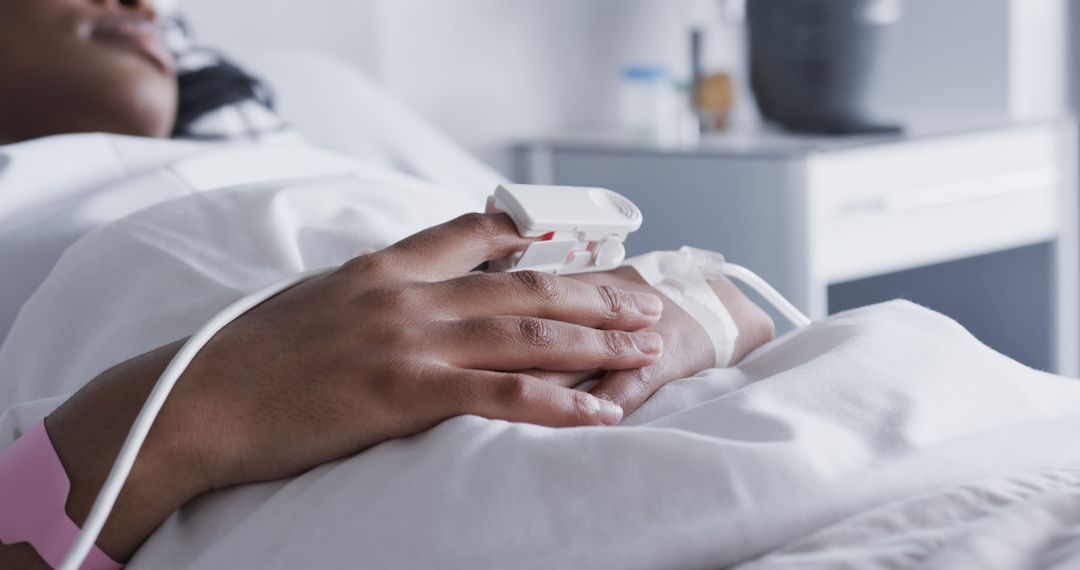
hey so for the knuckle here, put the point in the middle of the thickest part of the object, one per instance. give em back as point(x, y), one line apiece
point(459, 396)
point(617, 343)
point(615, 300)
point(535, 333)
point(513, 391)
point(478, 225)
point(640, 382)
point(384, 264)
point(366, 263)
point(477, 331)
point(389, 299)
point(584, 405)
point(539, 284)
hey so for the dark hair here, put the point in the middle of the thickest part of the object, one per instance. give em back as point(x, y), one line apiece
point(210, 85)
point(205, 90)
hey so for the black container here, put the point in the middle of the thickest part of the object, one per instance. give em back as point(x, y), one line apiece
point(812, 61)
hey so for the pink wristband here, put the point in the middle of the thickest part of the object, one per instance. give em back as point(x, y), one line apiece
point(33, 493)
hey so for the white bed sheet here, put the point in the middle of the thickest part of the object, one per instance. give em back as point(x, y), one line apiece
point(54, 190)
point(861, 411)
point(1027, 520)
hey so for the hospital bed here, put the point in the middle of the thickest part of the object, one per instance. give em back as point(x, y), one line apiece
point(886, 437)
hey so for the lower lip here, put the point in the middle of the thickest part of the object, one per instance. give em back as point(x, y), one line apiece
point(148, 43)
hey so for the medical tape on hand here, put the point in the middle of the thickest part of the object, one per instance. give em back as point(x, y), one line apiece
point(683, 276)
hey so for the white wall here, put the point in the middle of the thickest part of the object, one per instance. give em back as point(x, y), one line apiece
point(946, 57)
point(961, 61)
point(490, 72)
point(494, 71)
point(347, 28)
point(1039, 57)
point(487, 71)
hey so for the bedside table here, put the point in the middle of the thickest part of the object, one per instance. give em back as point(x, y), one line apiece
point(837, 222)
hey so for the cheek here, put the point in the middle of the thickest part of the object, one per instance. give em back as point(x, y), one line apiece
point(88, 92)
point(133, 98)
point(57, 81)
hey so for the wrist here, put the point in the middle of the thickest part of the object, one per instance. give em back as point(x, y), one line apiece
point(21, 556)
point(87, 433)
point(756, 327)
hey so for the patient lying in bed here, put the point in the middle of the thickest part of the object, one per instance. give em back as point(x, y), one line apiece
point(856, 412)
point(453, 383)
point(400, 339)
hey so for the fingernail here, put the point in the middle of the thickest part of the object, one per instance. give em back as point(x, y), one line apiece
point(649, 343)
point(610, 412)
point(648, 305)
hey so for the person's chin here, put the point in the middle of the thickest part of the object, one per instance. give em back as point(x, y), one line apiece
point(141, 114)
point(143, 100)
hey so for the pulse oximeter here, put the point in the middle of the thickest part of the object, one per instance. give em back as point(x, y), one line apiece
point(579, 229)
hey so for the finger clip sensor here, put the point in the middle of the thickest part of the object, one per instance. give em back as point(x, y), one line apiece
point(580, 230)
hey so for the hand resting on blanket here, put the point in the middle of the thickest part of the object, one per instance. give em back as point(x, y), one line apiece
point(389, 345)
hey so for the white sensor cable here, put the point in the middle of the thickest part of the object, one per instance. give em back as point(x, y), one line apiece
point(768, 292)
point(121, 469)
point(136, 437)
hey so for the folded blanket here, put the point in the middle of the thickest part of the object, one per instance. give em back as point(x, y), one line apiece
point(859, 411)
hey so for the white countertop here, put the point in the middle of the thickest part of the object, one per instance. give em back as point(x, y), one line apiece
point(767, 142)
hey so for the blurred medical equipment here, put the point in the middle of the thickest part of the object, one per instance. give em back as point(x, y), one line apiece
point(812, 61)
point(648, 103)
point(715, 97)
point(529, 210)
point(580, 229)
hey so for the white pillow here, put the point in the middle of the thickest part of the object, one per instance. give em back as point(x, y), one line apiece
point(337, 107)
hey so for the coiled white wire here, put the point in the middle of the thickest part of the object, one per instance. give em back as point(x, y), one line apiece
point(136, 437)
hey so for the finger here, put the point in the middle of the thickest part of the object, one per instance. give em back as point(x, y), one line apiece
point(630, 388)
point(563, 379)
point(545, 296)
point(456, 247)
point(522, 398)
point(520, 343)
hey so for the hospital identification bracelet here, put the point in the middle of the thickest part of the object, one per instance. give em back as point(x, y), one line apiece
point(33, 493)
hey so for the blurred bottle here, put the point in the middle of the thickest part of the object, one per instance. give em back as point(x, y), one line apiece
point(715, 99)
point(649, 103)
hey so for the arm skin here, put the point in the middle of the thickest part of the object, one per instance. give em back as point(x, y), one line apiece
point(166, 476)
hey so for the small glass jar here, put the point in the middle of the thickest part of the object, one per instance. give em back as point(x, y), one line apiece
point(649, 105)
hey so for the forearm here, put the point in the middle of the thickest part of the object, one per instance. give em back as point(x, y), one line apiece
point(755, 326)
point(87, 432)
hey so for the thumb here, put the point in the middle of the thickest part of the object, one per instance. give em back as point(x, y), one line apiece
point(456, 247)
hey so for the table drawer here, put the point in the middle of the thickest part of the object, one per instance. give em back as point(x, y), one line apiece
point(885, 209)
